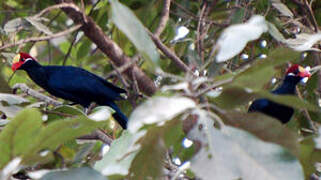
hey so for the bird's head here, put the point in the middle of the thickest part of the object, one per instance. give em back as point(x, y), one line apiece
point(298, 73)
point(20, 60)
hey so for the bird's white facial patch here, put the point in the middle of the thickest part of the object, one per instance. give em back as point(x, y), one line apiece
point(28, 59)
point(291, 74)
point(304, 80)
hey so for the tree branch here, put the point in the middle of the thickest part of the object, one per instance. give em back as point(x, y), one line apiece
point(109, 47)
point(97, 135)
point(179, 63)
point(24, 88)
point(43, 38)
point(57, 6)
point(164, 18)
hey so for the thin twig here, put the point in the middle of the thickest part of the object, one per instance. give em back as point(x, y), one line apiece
point(306, 113)
point(24, 88)
point(121, 69)
point(57, 113)
point(109, 47)
point(76, 34)
point(179, 63)
point(43, 38)
point(120, 77)
point(57, 6)
point(199, 40)
point(215, 85)
point(97, 135)
point(311, 16)
point(164, 18)
point(70, 48)
point(48, 24)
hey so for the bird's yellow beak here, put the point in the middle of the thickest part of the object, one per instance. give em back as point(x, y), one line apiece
point(16, 63)
point(304, 72)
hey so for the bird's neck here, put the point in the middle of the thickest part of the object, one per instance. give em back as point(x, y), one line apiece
point(288, 86)
point(38, 74)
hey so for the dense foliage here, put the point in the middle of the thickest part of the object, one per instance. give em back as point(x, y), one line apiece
point(190, 69)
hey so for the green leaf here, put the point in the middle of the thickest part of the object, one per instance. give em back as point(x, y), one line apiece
point(4, 87)
point(117, 161)
point(130, 25)
point(14, 25)
point(38, 25)
point(65, 109)
point(83, 173)
point(289, 100)
point(11, 110)
point(265, 128)
point(232, 153)
point(275, 33)
point(8, 104)
point(309, 155)
point(12, 99)
point(262, 71)
point(158, 110)
point(83, 49)
point(234, 96)
point(147, 163)
point(25, 136)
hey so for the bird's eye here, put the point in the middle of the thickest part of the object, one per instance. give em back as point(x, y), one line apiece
point(296, 72)
point(22, 59)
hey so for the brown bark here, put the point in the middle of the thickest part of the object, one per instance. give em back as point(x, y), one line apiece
point(109, 47)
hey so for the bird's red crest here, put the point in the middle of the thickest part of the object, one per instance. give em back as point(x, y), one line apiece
point(25, 56)
point(293, 68)
point(20, 59)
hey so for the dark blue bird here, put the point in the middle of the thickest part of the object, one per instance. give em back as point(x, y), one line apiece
point(72, 84)
point(281, 112)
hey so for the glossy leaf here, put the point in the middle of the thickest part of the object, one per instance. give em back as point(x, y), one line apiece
point(83, 173)
point(233, 96)
point(265, 128)
point(158, 110)
point(12, 99)
point(14, 25)
point(282, 8)
point(130, 25)
point(38, 25)
point(118, 159)
point(232, 153)
point(25, 136)
point(234, 39)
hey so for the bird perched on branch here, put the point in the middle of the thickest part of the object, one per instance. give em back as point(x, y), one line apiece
point(281, 112)
point(72, 84)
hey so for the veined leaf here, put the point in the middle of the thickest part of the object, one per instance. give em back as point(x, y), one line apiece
point(233, 96)
point(12, 99)
point(130, 25)
point(38, 25)
point(158, 110)
point(232, 153)
point(25, 136)
point(83, 173)
point(234, 38)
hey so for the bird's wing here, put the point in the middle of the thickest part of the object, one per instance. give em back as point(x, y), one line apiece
point(79, 83)
point(108, 84)
point(259, 105)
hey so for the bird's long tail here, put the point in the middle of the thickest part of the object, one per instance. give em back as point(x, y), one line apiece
point(119, 116)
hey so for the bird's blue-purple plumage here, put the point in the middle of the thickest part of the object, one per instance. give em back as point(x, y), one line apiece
point(281, 112)
point(76, 85)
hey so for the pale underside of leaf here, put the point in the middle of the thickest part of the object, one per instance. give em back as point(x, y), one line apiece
point(130, 25)
point(158, 110)
point(282, 8)
point(231, 153)
point(38, 25)
point(234, 39)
